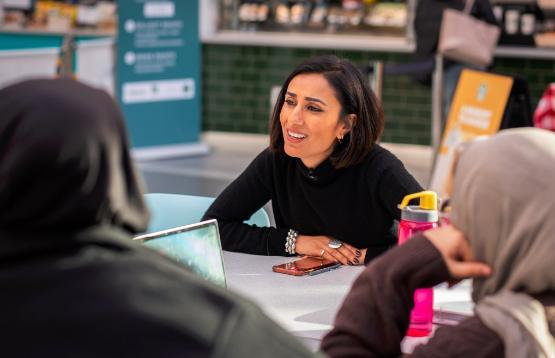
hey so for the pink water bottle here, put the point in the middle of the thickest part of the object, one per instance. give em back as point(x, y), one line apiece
point(415, 219)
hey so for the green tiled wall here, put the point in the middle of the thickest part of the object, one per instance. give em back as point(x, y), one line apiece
point(237, 82)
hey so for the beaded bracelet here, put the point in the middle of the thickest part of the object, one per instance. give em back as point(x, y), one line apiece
point(291, 241)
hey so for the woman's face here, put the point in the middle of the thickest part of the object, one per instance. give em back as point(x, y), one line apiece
point(310, 119)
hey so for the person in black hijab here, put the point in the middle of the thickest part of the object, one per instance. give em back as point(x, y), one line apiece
point(64, 160)
point(72, 282)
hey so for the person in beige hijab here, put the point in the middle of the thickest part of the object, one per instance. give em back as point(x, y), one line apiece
point(502, 235)
point(503, 201)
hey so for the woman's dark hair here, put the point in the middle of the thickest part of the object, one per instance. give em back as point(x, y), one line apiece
point(354, 95)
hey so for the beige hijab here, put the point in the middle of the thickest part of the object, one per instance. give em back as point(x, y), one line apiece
point(504, 202)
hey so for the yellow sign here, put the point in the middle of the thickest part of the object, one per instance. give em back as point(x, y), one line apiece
point(477, 109)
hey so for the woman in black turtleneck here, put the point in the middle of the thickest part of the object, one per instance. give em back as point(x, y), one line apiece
point(334, 191)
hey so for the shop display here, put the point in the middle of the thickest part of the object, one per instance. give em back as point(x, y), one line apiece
point(347, 16)
point(253, 12)
point(520, 21)
point(60, 16)
point(544, 35)
point(319, 14)
point(388, 14)
point(282, 14)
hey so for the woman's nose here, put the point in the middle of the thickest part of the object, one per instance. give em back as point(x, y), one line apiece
point(296, 115)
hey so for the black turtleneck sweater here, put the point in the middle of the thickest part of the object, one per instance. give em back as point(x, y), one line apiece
point(357, 204)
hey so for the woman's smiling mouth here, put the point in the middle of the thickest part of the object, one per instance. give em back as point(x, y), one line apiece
point(295, 136)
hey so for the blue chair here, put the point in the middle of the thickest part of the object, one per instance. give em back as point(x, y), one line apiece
point(173, 210)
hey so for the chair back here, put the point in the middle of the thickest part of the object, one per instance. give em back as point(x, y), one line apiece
point(172, 210)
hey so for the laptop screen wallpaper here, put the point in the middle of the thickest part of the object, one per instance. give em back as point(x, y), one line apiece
point(197, 248)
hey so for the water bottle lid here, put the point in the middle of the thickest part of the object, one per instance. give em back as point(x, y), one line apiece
point(428, 200)
point(426, 211)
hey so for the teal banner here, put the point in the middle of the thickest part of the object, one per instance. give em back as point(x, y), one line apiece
point(158, 71)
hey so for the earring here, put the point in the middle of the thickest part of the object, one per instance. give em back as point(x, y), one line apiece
point(340, 139)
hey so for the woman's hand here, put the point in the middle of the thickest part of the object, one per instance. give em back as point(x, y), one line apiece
point(456, 253)
point(317, 246)
point(362, 256)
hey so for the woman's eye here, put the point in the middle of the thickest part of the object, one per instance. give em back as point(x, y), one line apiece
point(314, 109)
point(290, 102)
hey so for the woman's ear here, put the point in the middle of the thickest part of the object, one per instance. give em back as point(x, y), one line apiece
point(349, 123)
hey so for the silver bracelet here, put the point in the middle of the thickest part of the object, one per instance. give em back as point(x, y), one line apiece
point(291, 241)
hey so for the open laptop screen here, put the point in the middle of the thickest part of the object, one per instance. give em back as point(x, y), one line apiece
point(197, 246)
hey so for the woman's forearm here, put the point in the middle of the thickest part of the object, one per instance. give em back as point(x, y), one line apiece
point(375, 314)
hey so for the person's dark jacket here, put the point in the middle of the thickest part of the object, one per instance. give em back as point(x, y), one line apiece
point(374, 317)
point(73, 283)
point(97, 293)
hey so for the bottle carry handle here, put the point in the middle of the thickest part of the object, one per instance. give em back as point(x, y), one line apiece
point(428, 200)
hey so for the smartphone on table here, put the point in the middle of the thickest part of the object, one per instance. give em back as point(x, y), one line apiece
point(306, 266)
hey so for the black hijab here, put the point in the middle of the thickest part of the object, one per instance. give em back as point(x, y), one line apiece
point(64, 160)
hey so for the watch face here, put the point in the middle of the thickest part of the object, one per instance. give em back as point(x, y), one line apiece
point(335, 244)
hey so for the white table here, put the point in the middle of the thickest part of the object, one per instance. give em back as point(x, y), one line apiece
point(306, 305)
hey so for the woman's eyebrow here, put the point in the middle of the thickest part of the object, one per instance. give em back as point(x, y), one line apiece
point(312, 99)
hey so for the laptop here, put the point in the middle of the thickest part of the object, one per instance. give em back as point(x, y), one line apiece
point(196, 246)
